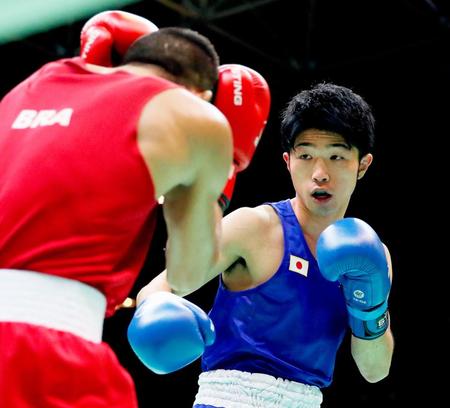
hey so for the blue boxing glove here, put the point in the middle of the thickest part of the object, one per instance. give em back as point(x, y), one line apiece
point(350, 251)
point(168, 332)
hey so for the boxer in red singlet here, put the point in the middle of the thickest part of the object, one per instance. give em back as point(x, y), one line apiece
point(86, 150)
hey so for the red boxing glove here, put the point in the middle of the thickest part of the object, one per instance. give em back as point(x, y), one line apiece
point(111, 30)
point(225, 197)
point(243, 96)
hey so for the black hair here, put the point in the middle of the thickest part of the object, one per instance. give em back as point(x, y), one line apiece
point(332, 108)
point(185, 54)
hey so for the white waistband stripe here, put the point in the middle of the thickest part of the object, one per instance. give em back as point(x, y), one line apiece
point(53, 302)
point(238, 389)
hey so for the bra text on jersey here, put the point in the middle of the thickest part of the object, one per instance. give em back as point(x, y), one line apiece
point(30, 118)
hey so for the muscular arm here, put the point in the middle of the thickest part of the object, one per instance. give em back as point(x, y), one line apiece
point(187, 145)
point(193, 225)
point(237, 239)
point(373, 357)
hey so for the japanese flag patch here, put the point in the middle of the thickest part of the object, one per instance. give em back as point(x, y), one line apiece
point(299, 265)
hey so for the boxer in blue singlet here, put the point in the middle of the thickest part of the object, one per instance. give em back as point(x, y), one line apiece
point(296, 274)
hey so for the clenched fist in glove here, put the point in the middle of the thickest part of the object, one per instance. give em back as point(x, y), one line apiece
point(243, 96)
point(168, 332)
point(350, 251)
point(111, 32)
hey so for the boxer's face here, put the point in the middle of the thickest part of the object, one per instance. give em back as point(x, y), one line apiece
point(324, 170)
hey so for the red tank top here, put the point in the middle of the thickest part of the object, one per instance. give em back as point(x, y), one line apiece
point(76, 198)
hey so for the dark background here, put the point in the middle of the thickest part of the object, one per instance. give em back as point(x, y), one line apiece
point(395, 53)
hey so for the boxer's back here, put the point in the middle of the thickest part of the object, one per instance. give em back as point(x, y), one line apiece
point(76, 198)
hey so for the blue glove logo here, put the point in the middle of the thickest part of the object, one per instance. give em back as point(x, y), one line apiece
point(358, 294)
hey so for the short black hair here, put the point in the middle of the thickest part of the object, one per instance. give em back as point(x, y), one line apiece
point(185, 54)
point(332, 108)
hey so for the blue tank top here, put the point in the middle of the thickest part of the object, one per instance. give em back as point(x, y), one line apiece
point(290, 326)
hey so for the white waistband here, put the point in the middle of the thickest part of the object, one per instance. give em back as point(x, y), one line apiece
point(238, 389)
point(53, 302)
